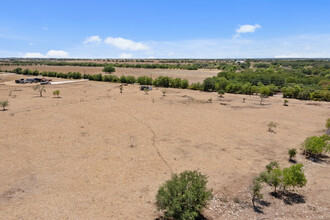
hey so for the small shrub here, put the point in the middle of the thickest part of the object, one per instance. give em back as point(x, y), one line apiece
point(184, 196)
point(209, 100)
point(327, 125)
point(286, 102)
point(39, 88)
point(56, 93)
point(271, 126)
point(292, 153)
point(4, 103)
point(146, 90)
point(164, 91)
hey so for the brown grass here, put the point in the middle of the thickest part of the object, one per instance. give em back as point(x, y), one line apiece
point(99, 154)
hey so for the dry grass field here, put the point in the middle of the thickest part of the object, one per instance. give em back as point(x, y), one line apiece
point(95, 153)
point(191, 75)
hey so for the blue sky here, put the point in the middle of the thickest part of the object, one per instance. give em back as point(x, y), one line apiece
point(165, 29)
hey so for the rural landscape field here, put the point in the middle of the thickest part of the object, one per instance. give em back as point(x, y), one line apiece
point(155, 110)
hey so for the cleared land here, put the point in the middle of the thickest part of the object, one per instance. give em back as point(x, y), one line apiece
point(191, 75)
point(97, 154)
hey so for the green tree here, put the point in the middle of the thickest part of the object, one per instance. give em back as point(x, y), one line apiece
point(294, 176)
point(292, 153)
point(108, 69)
point(255, 191)
point(184, 83)
point(184, 196)
point(315, 146)
point(39, 88)
point(4, 103)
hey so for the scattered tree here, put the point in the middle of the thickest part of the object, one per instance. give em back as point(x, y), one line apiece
point(4, 103)
point(255, 190)
point(121, 88)
point(292, 153)
point(56, 93)
point(184, 196)
point(39, 88)
point(209, 100)
point(294, 176)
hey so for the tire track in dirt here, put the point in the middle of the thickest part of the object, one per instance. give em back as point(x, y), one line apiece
point(153, 141)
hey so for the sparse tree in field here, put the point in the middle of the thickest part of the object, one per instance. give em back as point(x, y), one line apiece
point(39, 88)
point(264, 92)
point(294, 176)
point(108, 69)
point(243, 100)
point(271, 126)
point(164, 91)
point(255, 191)
point(121, 88)
point(184, 196)
point(146, 90)
point(4, 103)
point(56, 93)
point(275, 178)
point(286, 102)
point(209, 100)
point(292, 153)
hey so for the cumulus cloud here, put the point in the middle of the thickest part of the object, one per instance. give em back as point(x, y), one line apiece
point(57, 54)
point(92, 40)
point(50, 54)
point(33, 55)
point(125, 55)
point(125, 44)
point(247, 28)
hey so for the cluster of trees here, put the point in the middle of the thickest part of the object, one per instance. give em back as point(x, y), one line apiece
point(282, 179)
point(293, 83)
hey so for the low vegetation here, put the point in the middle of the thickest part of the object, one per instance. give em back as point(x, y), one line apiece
point(316, 146)
point(292, 153)
point(39, 88)
point(4, 103)
point(271, 126)
point(56, 93)
point(184, 196)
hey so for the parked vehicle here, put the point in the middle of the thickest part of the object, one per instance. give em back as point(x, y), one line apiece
point(145, 87)
point(20, 81)
point(29, 80)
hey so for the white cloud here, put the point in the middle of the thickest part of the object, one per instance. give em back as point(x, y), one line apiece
point(247, 28)
point(57, 54)
point(125, 44)
point(125, 55)
point(33, 55)
point(92, 40)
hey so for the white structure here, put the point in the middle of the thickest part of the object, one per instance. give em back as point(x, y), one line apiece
point(239, 61)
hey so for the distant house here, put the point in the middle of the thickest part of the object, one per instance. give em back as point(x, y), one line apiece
point(239, 61)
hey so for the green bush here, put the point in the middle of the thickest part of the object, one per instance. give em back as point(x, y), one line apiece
point(4, 103)
point(184, 84)
point(292, 153)
point(108, 69)
point(184, 196)
point(144, 80)
point(315, 146)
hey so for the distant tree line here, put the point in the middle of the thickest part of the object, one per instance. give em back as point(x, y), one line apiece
point(292, 83)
